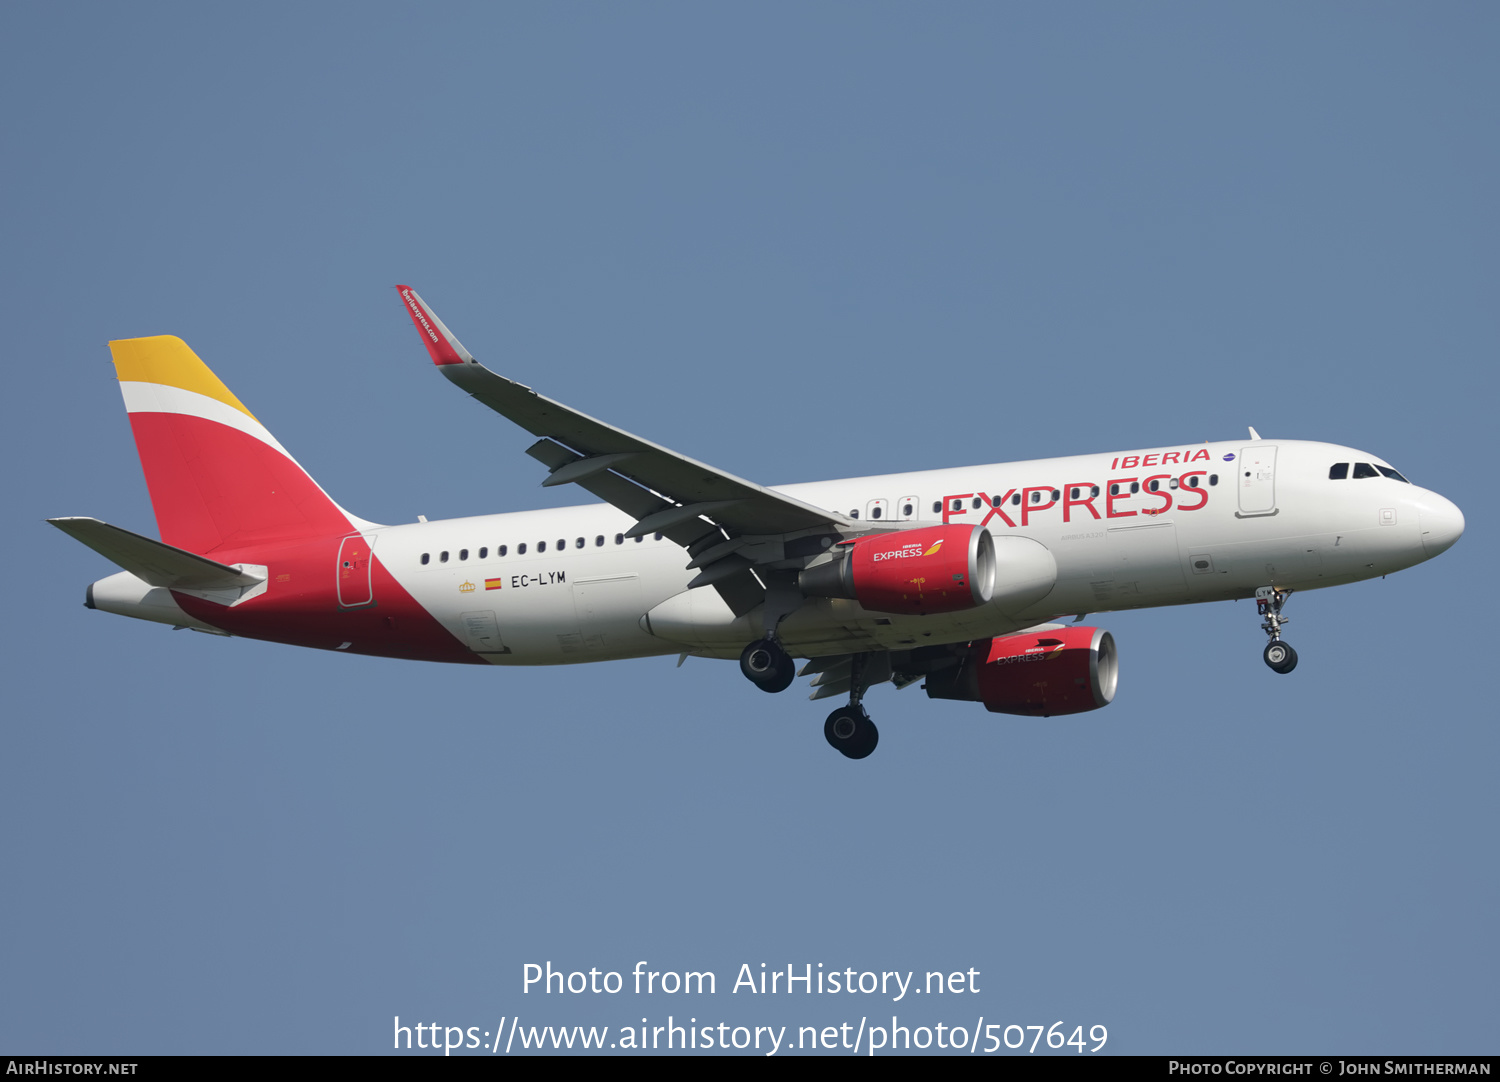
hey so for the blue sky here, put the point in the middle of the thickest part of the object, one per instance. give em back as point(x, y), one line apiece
point(796, 241)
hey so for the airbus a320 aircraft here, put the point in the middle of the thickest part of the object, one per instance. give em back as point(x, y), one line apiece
point(955, 577)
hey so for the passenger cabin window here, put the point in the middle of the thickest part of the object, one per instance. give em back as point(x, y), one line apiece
point(442, 557)
point(541, 546)
point(463, 554)
point(425, 558)
point(484, 552)
point(1364, 469)
point(1213, 479)
point(1339, 471)
point(599, 542)
point(521, 549)
point(562, 544)
point(578, 544)
point(501, 551)
point(619, 539)
point(937, 507)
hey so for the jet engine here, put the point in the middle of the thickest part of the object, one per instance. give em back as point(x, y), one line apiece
point(1052, 670)
point(910, 572)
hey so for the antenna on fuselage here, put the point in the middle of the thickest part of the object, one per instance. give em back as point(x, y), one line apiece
point(1254, 435)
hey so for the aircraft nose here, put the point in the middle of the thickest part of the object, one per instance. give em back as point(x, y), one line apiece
point(1442, 523)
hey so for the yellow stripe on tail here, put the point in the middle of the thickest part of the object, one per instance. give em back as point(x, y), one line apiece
point(167, 360)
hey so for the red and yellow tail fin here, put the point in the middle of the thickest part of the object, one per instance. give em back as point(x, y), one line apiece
point(218, 479)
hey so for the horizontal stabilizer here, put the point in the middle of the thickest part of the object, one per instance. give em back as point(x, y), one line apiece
point(153, 562)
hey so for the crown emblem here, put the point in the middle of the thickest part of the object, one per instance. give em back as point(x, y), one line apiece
point(466, 587)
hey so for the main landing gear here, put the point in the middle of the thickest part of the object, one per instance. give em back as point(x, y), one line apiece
point(1279, 656)
point(767, 666)
point(764, 663)
point(849, 729)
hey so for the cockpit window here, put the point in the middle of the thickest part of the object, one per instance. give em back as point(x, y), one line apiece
point(1364, 469)
point(1339, 471)
point(1392, 474)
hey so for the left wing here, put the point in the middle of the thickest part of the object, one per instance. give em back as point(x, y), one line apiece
point(727, 524)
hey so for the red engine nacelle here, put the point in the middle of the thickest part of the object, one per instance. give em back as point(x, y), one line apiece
point(1064, 670)
point(911, 572)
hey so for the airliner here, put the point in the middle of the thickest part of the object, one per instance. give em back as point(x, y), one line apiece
point(972, 581)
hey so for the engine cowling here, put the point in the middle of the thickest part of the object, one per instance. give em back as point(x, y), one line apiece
point(910, 572)
point(1057, 670)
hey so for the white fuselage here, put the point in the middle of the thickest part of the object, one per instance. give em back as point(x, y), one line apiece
point(1205, 523)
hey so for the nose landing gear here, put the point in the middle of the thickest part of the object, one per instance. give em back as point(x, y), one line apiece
point(1279, 656)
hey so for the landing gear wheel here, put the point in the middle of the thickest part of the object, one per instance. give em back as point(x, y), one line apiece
point(767, 666)
point(1280, 657)
point(850, 731)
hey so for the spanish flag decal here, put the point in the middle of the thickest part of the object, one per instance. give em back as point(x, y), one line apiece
point(493, 584)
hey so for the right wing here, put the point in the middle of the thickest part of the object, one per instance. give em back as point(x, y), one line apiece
point(727, 524)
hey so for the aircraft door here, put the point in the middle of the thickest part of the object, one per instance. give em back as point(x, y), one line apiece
point(482, 631)
point(609, 610)
point(1144, 565)
point(1257, 480)
point(353, 582)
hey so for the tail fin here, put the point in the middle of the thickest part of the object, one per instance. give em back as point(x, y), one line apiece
point(217, 477)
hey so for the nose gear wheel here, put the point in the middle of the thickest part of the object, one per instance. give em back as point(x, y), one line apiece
point(1278, 656)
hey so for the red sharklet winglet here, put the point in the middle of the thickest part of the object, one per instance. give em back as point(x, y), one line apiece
point(439, 340)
